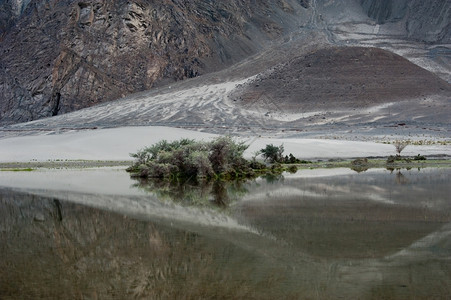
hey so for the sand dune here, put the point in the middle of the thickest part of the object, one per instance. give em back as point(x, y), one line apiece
point(118, 143)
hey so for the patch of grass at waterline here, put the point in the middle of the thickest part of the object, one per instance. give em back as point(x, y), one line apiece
point(17, 170)
point(69, 164)
point(377, 163)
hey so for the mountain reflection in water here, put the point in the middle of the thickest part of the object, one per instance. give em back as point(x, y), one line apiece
point(367, 235)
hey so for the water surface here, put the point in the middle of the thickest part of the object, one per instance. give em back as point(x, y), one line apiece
point(96, 234)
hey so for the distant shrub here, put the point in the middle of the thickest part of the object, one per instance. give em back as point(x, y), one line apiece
point(360, 162)
point(392, 159)
point(273, 153)
point(419, 157)
point(291, 159)
point(256, 165)
point(151, 153)
point(188, 158)
point(219, 158)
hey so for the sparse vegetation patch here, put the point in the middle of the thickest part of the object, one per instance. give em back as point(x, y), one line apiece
point(221, 158)
point(17, 170)
point(185, 158)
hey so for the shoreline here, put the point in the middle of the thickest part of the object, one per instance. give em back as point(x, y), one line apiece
point(373, 163)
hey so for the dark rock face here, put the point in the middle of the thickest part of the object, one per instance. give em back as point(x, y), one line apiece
point(385, 10)
point(305, 3)
point(428, 21)
point(60, 56)
point(10, 13)
point(340, 78)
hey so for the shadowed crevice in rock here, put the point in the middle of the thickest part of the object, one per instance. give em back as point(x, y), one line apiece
point(56, 105)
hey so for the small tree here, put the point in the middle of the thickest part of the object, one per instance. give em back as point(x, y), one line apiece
point(400, 145)
point(291, 159)
point(272, 153)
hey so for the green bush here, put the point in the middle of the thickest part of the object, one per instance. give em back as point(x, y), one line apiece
point(273, 153)
point(391, 159)
point(151, 153)
point(419, 157)
point(219, 158)
point(291, 159)
point(256, 165)
point(188, 158)
point(227, 155)
point(199, 165)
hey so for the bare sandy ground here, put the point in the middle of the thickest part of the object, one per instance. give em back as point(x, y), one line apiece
point(118, 143)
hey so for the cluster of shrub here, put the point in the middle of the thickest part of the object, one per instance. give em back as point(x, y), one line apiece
point(190, 158)
point(219, 158)
point(274, 154)
point(399, 146)
point(223, 158)
point(397, 158)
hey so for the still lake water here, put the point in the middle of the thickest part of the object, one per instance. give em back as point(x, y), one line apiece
point(316, 234)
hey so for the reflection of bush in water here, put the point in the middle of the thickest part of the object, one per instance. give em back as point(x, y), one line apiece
point(360, 165)
point(272, 177)
point(199, 193)
point(400, 178)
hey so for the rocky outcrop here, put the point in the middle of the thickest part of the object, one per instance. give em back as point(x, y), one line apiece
point(430, 21)
point(10, 13)
point(385, 10)
point(60, 56)
point(427, 21)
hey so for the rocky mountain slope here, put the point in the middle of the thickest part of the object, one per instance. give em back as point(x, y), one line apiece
point(64, 55)
point(10, 12)
point(427, 21)
point(339, 78)
point(59, 56)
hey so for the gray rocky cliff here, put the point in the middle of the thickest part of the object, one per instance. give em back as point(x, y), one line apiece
point(10, 13)
point(428, 21)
